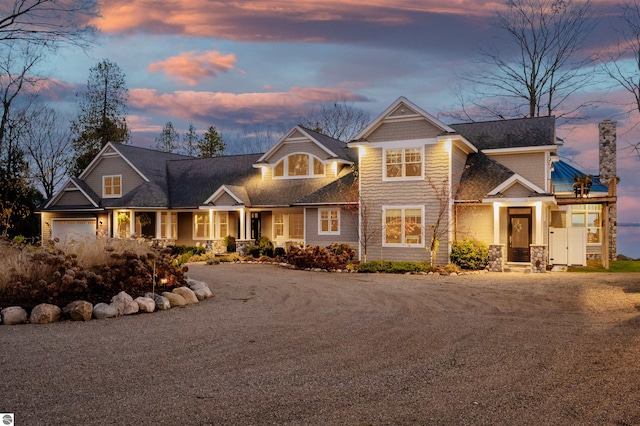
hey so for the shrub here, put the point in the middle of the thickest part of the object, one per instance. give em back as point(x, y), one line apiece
point(279, 252)
point(51, 275)
point(230, 243)
point(393, 267)
point(469, 254)
point(253, 251)
point(334, 256)
point(267, 251)
point(179, 250)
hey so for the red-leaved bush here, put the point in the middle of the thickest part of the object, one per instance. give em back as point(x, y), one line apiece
point(335, 256)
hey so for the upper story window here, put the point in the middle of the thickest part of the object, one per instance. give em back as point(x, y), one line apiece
point(112, 186)
point(299, 165)
point(404, 163)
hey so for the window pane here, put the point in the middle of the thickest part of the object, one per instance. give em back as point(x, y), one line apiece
point(577, 219)
point(298, 165)
point(593, 219)
point(413, 226)
point(116, 185)
point(163, 225)
point(593, 235)
point(296, 226)
point(393, 226)
point(278, 225)
point(318, 167)
point(174, 226)
point(394, 163)
point(278, 170)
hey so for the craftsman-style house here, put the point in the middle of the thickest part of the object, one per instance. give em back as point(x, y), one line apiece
point(406, 181)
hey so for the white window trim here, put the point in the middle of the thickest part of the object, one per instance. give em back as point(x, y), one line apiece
point(193, 227)
point(328, 210)
point(403, 244)
point(385, 178)
point(285, 161)
point(103, 186)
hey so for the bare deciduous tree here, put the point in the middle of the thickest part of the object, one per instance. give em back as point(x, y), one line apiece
point(47, 21)
point(538, 65)
point(48, 145)
point(339, 120)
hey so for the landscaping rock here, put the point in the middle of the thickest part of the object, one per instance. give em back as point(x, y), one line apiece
point(201, 289)
point(124, 303)
point(79, 310)
point(174, 299)
point(145, 304)
point(187, 293)
point(162, 303)
point(13, 315)
point(102, 311)
point(45, 313)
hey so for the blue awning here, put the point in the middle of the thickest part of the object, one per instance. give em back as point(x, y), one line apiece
point(563, 176)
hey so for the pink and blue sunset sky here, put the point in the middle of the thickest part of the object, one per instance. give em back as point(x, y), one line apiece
point(236, 63)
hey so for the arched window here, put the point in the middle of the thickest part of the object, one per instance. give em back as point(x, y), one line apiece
point(299, 165)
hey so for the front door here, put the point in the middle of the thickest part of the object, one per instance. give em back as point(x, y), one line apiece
point(519, 234)
point(256, 225)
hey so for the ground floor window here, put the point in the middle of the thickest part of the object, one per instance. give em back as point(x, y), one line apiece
point(588, 216)
point(403, 226)
point(296, 226)
point(329, 222)
point(201, 226)
point(278, 225)
point(169, 225)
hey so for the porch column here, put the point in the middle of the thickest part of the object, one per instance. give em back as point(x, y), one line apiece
point(243, 224)
point(538, 206)
point(158, 225)
point(211, 225)
point(496, 223)
point(132, 224)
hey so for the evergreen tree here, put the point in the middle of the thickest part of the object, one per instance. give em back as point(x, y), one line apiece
point(211, 144)
point(102, 116)
point(190, 141)
point(169, 139)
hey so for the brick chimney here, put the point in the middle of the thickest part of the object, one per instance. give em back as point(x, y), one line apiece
point(608, 176)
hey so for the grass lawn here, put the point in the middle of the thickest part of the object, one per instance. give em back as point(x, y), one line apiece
point(615, 266)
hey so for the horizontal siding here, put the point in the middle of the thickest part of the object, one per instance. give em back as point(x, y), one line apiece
point(348, 229)
point(474, 221)
point(377, 194)
point(531, 166)
point(113, 166)
point(458, 161)
point(73, 198)
point(517, 191)
point(404, 130)
point(225, 200)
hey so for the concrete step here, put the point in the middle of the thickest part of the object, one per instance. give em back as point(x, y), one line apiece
point(522, 268)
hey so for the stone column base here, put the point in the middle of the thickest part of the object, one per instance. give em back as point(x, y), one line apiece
point(538, 258)
point(496, 258)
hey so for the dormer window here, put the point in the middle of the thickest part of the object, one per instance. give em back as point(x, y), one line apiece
point(299, 165)
point(112, 186)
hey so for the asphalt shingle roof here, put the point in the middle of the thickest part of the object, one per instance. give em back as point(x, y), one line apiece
point(514, 133)
point(480, 176)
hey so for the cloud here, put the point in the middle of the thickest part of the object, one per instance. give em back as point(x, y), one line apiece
point(192, 67)
point(377, 22)
point(239, 108)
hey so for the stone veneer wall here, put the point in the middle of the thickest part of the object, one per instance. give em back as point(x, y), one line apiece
point(241, 246)
point(538, 258)
point(608, 173)
point(496, 258)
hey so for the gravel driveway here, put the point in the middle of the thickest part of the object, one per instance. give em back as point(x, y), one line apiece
point(283, 347)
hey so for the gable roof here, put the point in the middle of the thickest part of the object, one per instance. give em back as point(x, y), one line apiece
point(514, 133)
point(481, 175)
point(78, 184)
point(393, 107)
point(334, 148)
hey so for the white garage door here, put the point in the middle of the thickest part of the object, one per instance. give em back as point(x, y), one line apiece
point(73, 228)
